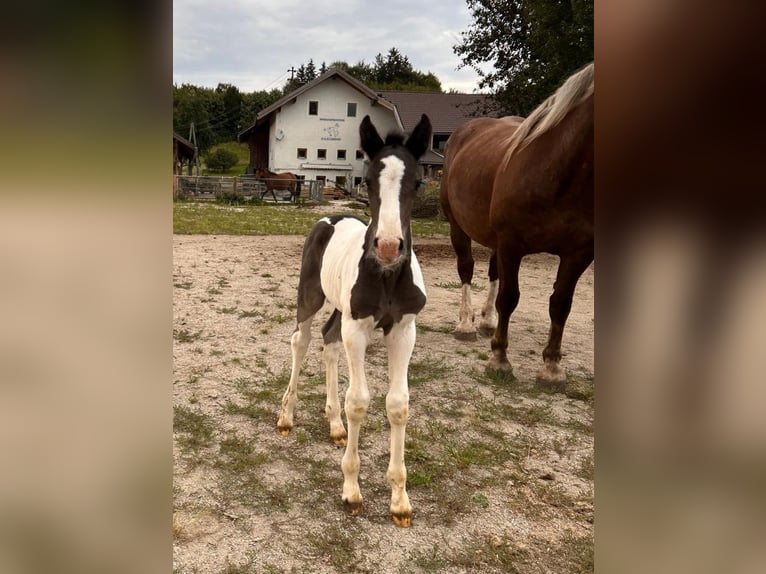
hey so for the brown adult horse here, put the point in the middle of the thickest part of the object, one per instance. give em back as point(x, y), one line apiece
point(278, 182)
point(466, 193)
point(541, 201)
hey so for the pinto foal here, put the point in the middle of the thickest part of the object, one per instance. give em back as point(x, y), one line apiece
point(371, 277)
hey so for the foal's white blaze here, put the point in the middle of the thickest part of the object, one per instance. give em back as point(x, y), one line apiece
point(389, 232)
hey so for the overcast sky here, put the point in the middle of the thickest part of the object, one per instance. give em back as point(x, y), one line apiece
point(252, 43)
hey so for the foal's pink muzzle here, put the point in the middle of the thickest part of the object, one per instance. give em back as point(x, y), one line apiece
point(388, 250)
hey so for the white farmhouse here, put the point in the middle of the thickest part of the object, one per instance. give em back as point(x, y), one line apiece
point(313, 132)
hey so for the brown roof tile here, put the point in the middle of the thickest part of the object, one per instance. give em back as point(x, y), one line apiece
point(447, 112)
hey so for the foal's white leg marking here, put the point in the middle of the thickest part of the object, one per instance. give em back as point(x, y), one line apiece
point(356, 336)
point(331, 354)
point(488, 312)
point(400, 341)
point(299, 343)
point(390, 179)
point(465, 328)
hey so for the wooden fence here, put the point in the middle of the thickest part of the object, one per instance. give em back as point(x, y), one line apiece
point(246, 186)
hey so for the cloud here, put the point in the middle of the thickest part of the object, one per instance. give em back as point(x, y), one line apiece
point(252, 44)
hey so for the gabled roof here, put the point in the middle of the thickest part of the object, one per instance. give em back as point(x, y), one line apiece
point(336, 73)
point(447, 112)
point(184, 145)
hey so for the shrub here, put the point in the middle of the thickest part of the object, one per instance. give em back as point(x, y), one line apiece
point(427, 204)
point(221, 160)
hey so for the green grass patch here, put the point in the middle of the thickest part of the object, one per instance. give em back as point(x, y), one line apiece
point(194, 429)
point(198, 218)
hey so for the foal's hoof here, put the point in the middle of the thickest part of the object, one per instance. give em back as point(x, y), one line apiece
point(283, 430)
point(402, 520)
point(339, 440)
point(353, 508)
point(464, 335)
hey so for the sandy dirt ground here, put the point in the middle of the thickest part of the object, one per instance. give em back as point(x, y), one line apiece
point(503, 472)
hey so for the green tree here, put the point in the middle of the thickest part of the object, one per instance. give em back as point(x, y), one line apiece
point(221, 160)
point(533, 45)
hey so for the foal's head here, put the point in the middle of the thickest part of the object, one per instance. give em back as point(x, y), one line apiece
point(392, 182)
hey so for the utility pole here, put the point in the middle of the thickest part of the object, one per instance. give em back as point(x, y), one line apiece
point(292, 71)
point(193, 140)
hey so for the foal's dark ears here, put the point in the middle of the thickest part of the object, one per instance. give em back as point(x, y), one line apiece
point(420, 138)
point(371, 140)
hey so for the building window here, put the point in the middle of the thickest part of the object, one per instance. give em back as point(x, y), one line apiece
point(340, 180)
point(322, 179)
point(341, 154)
point(302, 153)
point(359, 154)
point(351, 109)
point(357, 181)
point(321, 154)
point(313, 108)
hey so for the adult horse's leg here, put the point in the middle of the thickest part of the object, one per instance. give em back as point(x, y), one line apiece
point(331, 353)
point(461, 243)
point(507, 299)
point(355, 335)
point(488, 313)
point(400, 341)
point(571, 267)
point(299, 344)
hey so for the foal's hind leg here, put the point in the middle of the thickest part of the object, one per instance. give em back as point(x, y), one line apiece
point(332, 346)
point(461, 243)
point(299, 343)
point(488, 312)
point(570, 269)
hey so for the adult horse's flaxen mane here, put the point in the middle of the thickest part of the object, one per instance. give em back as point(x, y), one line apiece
point(371, 277)
point(575, 90)
point(532, 180)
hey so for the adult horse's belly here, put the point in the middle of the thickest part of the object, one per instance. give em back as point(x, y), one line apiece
point(470, 195)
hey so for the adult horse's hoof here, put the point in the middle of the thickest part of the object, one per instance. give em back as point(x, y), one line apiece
point(503, 367)
point(465, 335)
point(552, 378)
point(486, 330)
point(402, 520)
point(283, 430)
point(352, 508)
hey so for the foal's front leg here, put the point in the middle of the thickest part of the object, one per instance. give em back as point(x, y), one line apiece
point(355, 335)
point(400, 341)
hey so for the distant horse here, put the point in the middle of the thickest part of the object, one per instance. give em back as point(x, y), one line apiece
point(372, 278)
point(466, 192)
point(541, 201)
point(278, 182)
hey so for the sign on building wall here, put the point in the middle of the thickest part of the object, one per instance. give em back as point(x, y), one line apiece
point(332, 132)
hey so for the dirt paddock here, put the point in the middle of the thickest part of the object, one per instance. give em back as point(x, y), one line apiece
point(500, 472)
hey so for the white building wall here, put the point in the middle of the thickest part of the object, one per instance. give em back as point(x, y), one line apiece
point(331, 129)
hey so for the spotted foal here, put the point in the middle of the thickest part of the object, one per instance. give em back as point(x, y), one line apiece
point(370, 275)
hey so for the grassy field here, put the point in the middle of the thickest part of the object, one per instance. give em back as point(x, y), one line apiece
point(191, 218)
